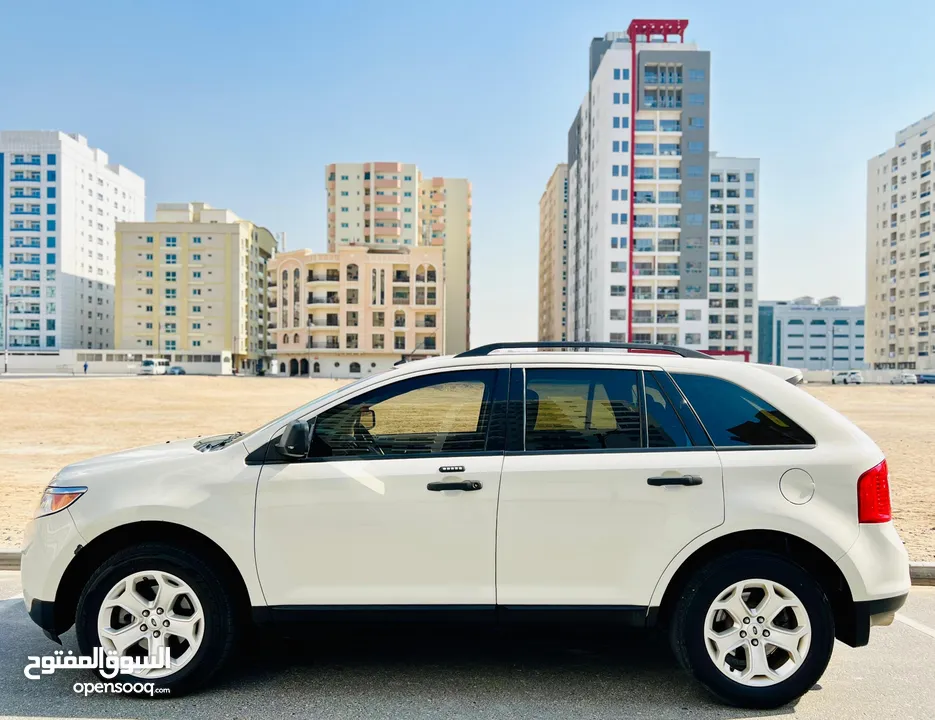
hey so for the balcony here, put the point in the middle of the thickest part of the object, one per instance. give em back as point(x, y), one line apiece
point(641, 317)
point(387, 230)
point(667, 318)
point(643, 246)
point(319, 345)
point(318, 278)
point(400, 277)
point(667, 294)
point(669, 174)
point(322, 299)
point(380, 199)
point(387, 215)
point(387, 183)
point(641, 222)
point(668, 247)
point(670, 150)
point(427, 323)
point(437, 197)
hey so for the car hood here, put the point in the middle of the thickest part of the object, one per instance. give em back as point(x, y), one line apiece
point(126, 461)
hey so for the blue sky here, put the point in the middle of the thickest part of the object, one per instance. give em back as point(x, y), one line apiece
point(242, 105)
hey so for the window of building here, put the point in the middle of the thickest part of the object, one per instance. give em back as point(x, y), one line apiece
point(749, 177)
point(581, 409)
point(695, 147)
point(695, 99)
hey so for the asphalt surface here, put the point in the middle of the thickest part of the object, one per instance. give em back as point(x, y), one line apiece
point(476, 674)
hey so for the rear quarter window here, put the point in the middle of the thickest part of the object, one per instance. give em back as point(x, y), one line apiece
point(735, 417)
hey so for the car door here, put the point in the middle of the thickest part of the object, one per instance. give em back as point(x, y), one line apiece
point(396, 504)
point(609, 478)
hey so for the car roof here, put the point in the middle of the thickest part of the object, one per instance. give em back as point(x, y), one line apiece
point(640, 359)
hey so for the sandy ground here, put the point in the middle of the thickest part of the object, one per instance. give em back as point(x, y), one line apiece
point(52, 422)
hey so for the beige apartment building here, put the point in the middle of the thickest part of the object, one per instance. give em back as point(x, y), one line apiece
point(193, 282)
point(355, 310)
point(553, 256)
point(391, 205)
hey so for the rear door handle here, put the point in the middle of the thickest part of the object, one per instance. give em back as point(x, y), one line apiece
point(675, 480)
point(466, 485)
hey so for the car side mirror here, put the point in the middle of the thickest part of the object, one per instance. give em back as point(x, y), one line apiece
point(296, 440)
point(368, 418)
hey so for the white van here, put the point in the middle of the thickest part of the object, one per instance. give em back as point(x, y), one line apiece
point(158, 366)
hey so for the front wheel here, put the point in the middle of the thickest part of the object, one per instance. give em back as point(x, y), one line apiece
point(754, 628)
point(157, 601)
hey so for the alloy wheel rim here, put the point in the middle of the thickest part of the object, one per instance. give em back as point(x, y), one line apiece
point(757, 632)
point(147, 611)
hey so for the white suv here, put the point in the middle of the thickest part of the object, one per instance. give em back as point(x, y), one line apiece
point(848, 377)
point(711, 498)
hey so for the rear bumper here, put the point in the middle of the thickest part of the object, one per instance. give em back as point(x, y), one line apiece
point(869, 613)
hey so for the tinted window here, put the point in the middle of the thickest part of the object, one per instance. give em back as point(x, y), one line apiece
point(433, 414)
point(735, 417)
point(581, 409)
point(662, 423)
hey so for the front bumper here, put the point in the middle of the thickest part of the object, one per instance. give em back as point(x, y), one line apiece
point(42, 613)
point(50, 544)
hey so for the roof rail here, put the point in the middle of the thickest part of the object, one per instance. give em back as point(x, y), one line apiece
point(644, 347)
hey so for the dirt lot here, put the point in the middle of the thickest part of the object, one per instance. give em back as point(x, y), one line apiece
point(49, 423)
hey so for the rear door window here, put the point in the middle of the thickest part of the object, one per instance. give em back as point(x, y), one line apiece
point(735, 417)
point(664, 429)
point(570, 409)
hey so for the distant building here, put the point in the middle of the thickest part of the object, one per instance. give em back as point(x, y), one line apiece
point(662, 232)
point(356, 310)
point(810, 335)
point(193, 282)
point(553, 256)
point(60, 201)
point(390, 205)
point(899, 246)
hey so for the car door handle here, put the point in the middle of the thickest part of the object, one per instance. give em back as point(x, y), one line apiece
point(675, 480)
point(466, 485)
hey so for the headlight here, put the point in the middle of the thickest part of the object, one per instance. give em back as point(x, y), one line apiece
point(58, 498)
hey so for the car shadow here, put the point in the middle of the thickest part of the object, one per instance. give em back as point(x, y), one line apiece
point(395, 672)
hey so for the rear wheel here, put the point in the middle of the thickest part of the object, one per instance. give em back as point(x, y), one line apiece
point(156, 601)
point(754, 628)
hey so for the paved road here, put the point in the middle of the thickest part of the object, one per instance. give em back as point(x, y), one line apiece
point(478, 676)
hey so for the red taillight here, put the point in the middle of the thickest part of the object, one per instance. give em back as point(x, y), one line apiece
point(873, 495)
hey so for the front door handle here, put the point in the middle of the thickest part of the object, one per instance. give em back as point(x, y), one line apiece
point(466, 485)
point(675, 480)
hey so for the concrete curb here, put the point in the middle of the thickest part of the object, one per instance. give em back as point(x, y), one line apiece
point(922, 573)
point(9, 559)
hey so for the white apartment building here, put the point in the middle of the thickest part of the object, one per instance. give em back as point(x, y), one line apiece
point(641, 211)
point(733, 254)
point(899, 245)
point(61, 200)
point(553, 256)
point(812, 335)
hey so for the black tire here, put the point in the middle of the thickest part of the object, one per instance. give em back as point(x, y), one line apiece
point(221, 624)
point(687, 627)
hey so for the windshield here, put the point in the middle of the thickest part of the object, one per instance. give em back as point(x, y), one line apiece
point(301, 409)
point(147, 363)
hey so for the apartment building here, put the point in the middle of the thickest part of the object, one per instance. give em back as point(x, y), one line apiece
point(647, 197)
point(389, 204)
point(733, 254)
point(61, 199)
point(899, 245)
point(812, 334)
point(355, 310)
point(553, 256)
point(194, 281)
